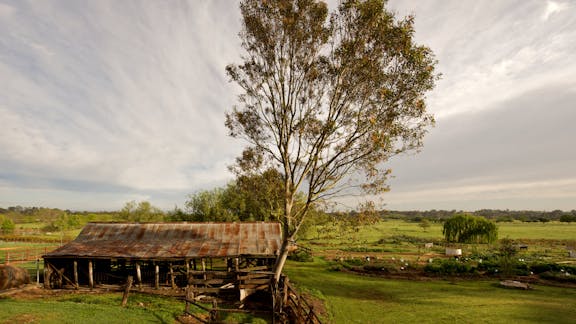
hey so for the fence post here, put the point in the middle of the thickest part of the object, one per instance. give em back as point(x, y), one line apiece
point(90, 274)
point(76, 274)
point(38, 271)
point(138, 275)
point(127, 290)
point(156, 276)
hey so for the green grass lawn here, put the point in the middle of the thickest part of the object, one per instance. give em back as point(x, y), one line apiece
point(359, 299)
point(545, 240)
point(101, 308)
point(513, 230)
point(90, 309)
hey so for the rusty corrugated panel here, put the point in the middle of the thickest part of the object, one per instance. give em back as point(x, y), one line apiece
point(173, 240)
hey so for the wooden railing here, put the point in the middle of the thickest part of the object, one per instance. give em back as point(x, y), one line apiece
point(287, 304)
point(297, 309)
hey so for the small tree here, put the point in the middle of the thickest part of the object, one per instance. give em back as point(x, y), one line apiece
point(327, 99)
point(141, 212)
point(424, 224)
point(507, 256)
point(7, 225)
point(465, 228)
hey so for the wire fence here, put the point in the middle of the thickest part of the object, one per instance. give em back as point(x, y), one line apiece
point(18, 255)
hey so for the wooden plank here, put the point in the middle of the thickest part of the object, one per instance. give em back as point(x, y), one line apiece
point(257, 287)
point(216, 273)
point(208, 281)
point(255, 277)
point(211, 290)
point(256, 281)
point(260, 268)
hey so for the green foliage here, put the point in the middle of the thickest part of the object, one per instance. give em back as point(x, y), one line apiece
point(449, 267)
point(7, 226)
point(208, 206)
point(465, 228)
point(568, 218)
point(301, 255)
point(397, 239)
point(507, 256)
point(141, 212)
point(424, 224)
point(253, 197)
point(257, 196)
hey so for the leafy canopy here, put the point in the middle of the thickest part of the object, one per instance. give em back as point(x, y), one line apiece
point(327, 98)
point(464, 228)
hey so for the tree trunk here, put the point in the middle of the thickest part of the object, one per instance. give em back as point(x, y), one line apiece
point(286, 237)
point(281, 260)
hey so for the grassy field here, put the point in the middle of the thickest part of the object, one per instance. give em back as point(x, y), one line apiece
point(399, 238)
point(513, 230)
point(359, 299)
point(101, 308)
point(352, 298)
point(90, 309)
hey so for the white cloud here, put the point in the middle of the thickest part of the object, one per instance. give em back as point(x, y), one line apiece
point(553, 7)
point(130, 93)
point(492, 52)
point(108, 101)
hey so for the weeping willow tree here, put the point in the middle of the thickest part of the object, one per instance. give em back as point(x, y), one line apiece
point(464, 228)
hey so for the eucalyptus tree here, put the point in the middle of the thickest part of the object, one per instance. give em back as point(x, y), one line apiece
point(327, 98)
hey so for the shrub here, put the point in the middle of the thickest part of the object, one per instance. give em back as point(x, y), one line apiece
point(538, 268)
point(449, 267)
point(301, 255)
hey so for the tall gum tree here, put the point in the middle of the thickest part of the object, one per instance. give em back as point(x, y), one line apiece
point(327, 98)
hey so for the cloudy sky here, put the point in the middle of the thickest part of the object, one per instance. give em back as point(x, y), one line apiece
point(106, 101)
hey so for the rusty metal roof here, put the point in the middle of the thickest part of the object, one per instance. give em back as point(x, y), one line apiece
point(173, 240)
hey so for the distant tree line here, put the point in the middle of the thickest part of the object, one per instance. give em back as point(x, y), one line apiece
point(250, 198)
point(496, 215)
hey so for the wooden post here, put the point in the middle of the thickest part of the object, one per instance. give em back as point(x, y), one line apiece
point(172, 281)
point(214, 311)
point(187, 271)
point(189, 297)
point(46, 275)
point(76, 274)
point(90, 274)
point(139, 275)
point(204, 267)
point(157, 276)
point(236, 264)
point(37, 271)
point(285, 287)
point(127, 290)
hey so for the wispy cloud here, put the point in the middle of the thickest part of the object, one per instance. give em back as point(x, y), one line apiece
point(128, 93)
point(108, 101)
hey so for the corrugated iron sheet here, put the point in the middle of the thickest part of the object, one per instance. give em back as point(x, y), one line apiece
point(173, 240)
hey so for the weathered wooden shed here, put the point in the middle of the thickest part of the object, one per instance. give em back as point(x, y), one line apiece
point(160, 254)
